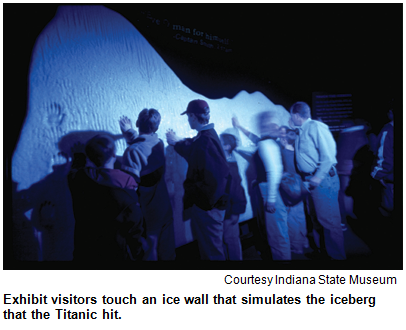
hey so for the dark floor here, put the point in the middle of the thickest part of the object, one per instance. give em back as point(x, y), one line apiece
point(381, 252)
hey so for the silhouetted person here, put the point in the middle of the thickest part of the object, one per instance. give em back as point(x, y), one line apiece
point(352, 138)
point(365, 221)
point(383, 166)
point(108, 219)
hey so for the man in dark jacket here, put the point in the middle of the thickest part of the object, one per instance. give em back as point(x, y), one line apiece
point(206, 180)
point(108, 219)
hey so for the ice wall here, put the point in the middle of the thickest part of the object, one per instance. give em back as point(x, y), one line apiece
point(90, 66)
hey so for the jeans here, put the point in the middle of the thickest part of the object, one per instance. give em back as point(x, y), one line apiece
point(297, 228)
point(276, 225)
point(324, 202)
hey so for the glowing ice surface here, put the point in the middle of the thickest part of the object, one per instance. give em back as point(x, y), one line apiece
point(89, 67)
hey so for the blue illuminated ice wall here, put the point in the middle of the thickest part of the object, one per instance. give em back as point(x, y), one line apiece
point(89, 67)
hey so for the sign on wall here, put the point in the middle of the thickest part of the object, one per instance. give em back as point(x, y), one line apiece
point(332, 109)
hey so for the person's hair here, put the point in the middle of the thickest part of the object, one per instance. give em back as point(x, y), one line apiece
point(203, 118)
point(148, 121)
point(265, 121)
point(302, 109)
point(230, 140)
point(264, 117)
point(100, 149)
point(392, 107)
point(285, 127)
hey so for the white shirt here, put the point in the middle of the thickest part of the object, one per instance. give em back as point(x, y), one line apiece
point(270, 154)
point(315, 148)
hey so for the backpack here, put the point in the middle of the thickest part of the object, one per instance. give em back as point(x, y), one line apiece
point(292, 189)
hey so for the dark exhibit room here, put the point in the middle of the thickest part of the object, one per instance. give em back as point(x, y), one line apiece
point(300, 92)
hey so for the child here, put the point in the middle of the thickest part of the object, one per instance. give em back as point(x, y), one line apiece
point(103, 232)
point(144, 159)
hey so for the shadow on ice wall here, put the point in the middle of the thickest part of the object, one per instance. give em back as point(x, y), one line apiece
point(89, 67)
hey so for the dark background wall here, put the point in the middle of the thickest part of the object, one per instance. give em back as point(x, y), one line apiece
point(285, 51)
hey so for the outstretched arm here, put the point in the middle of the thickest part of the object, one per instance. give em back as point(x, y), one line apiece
point(127, 129)
point(171, 137)
point(125, 124)
point(132, 162)
point(246, 132)
point(182, 146)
